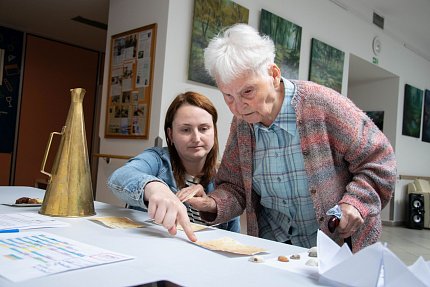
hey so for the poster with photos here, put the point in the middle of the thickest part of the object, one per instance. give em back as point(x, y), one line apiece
point(130, 87)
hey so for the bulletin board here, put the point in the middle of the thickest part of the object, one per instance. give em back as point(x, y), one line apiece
point(131, 73)
point(11, 45)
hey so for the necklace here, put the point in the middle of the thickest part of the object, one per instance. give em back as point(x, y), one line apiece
point(191, 180)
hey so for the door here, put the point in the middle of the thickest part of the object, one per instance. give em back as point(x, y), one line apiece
point(51, 70)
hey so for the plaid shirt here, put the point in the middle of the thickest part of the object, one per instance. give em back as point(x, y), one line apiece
point(280, 179)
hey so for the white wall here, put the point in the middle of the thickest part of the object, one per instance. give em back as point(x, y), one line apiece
point(125, 16)
point(318, 18)
point(381, 95)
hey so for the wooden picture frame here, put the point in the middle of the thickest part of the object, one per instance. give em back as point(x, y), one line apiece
point(131, 73)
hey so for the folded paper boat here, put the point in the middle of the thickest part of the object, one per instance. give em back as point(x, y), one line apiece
point(374, 265)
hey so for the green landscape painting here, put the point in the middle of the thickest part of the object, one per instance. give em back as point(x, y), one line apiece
point(426, 118)
point(210, 17)
point(287, 38)
point(326, 67)
point(412, 108)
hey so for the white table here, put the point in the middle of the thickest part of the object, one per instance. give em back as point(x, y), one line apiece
point(158, 256)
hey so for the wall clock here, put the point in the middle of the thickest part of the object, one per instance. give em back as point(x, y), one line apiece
point(376, 46)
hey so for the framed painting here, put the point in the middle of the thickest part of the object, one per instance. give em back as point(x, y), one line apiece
point(412, 108)
point(426, 117)
point(326, 66)
point(210, 17)
point(131, 73)
point(287, 37)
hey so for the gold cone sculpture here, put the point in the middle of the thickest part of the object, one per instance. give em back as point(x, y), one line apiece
point(69, 191)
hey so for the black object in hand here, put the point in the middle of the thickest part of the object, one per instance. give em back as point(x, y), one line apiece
point(333, 222)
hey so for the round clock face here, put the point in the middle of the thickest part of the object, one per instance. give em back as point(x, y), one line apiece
point(376, 45)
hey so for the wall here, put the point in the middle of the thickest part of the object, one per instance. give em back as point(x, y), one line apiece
point(380, 95)
point(5, 164)
point(320, 19)
point(122, 18)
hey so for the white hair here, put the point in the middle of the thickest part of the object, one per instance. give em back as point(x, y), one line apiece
point(237, 50)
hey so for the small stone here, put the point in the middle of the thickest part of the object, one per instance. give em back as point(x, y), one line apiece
point(283, 258)
point(313, 252)
point(295, 257)
point(312, 262)
point(256, 259)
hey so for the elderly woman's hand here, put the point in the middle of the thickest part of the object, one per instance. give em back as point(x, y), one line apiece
point(188, 192)
point(350, 222)
point(166, 209)
point(197, 198)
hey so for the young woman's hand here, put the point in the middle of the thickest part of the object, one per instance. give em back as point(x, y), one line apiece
point(166, 209)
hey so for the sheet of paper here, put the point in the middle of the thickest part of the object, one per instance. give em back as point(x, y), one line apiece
point(191, 195)
point(396, 273)
point(28, 255)
point(22, 204)
point(374, 265)
point(194, 226)
point(28, 221)
point(230, 245)
point(117, 222)
point(421, 269)
point(330, 253)
point(338, 266)
point(367, 261)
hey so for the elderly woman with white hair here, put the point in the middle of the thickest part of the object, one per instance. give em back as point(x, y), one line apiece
point(296, 149)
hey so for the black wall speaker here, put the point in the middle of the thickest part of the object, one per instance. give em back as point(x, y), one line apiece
point(416, 211)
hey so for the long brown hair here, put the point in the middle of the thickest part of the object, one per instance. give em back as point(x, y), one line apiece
point(209, 168)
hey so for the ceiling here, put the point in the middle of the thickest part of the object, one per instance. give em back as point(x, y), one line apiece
point(52, 19)
point(406, 21)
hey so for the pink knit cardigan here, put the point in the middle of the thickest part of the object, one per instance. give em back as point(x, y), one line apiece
point(347, 160)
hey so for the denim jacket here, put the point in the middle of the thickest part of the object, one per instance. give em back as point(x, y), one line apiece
point(129, 181)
